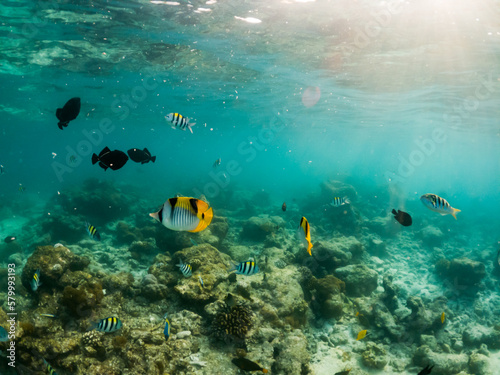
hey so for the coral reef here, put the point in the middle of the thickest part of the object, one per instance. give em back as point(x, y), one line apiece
point(359, 279)
point(232, 323)
point(461, 271)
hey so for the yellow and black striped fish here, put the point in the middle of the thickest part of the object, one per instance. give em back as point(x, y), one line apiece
point(337, 201)
point(186, 269)
point(437, 204)
point(92, 231)
point(110, 324)
point(35, 281)
point(184, 214)
point(49, 367)
point(245, 268)
point(179, 121)
point(304, 234)
point(166, 330)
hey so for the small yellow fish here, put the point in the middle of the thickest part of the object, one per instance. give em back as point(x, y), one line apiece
point(304, 233)
point(442, 317)
point(361, 334)
point(357, 313)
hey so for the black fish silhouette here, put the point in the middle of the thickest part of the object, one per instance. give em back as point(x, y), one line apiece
point(140, 156)
point(9, 239)
point(426, 370)
point(110, 159)
point(68, 113)
point(402, 217)
point(247, 365)
point(283, 207)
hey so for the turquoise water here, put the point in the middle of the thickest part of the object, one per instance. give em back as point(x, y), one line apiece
point(391, 100)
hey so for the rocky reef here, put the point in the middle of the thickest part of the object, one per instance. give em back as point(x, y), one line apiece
point(298, 315)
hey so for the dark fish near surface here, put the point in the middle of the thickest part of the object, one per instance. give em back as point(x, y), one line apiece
point(9, 239)
point(247, 365)
point(68, 113)
point(346, 372)
point(217, 162)
point(141, 156)
point(110, 159)
point(283, 206)
point(426, 370)
point(402, 217)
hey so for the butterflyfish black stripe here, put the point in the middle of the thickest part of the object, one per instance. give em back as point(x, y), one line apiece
point(194, 204)
point(160, 215)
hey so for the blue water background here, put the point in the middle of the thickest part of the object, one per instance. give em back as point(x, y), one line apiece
point(363, 130)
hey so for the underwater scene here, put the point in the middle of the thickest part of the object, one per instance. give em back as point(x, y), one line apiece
point(297, 187)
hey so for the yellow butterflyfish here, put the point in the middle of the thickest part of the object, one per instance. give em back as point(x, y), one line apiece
point(361, 334)
point(304, 233)
point(442, 317)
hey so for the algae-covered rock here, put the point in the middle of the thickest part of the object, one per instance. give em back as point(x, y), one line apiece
point(53, 263)
point(479, 364)
point(359, 279)
point(383, 318)
point(461, 271)
point(474, 335)
point(327, 291)
point(282, 290)
point(206, 262)
point(374, 356)
point(257, 228)
point(291, 354)
point(142, 248)
point(121, 282)
point(332, 255)
point(431, 235)
point(82, 300)
point(444, 363)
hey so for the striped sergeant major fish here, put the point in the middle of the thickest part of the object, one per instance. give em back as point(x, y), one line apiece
point(49, 367)
point(184, 214)
point(166, 330)
point(179, 121)
point(437, 204)
point(185, 268)
point(304, 234)
point(337, 202)
point(35, 281)
point(245, 268)
point(92, 231)
point(110, 324)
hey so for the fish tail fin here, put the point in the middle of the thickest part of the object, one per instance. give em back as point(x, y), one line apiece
point(153, 159)
point(95, 159)
point(155, 215)
point(233, 267)
point(190, 126)
point(309, 247)
point(347, 200)
point(455, 212)
point(394, 211)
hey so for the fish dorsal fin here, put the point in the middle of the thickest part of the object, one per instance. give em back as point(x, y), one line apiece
point(104, 151)
point(194, 204)
point(173, 203)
